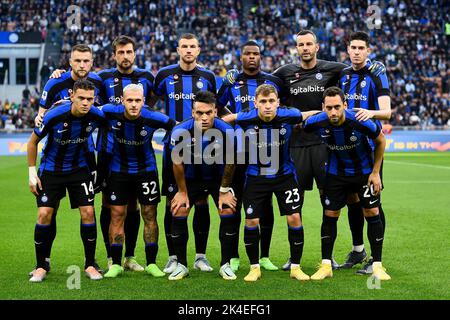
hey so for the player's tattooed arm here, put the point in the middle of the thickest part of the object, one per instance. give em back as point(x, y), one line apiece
point(307, 114)
point(119, 238)
point(228, 174)
point(230, 118)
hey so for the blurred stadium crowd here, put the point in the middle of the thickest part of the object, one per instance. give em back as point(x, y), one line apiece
point(412, 41)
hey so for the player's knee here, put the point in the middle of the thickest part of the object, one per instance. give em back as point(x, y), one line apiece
point(87, 214)
point(226, 212)
point(371, 212)
point(181, 212)
point(332, 214)
point(149, 213)
point(251, 223)
point(45, 215)
point(294, 220)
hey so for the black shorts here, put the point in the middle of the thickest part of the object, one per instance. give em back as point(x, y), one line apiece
point(120, 187)
point(169, 185)
point(199, 190)
point(310, 163)
point(258, 190)
point(79, 184)
point(338, 187)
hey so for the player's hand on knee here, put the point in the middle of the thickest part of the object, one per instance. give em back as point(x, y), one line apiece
point(230, 77)
point(228, 199)
point(33, 181)
point(374, 183)
point(57, 73)
point(180, 200)
point(38, 120)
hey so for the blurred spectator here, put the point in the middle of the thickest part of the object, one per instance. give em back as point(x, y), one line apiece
point(411, 38)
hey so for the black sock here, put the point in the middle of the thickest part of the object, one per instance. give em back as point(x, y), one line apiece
point(151, 250)
point(251, 241)
point(52, 234)
point(116, 253)
point(375, 234)
point(227, 234)
point(383, 219)
point(131, 228)
point(41, 243)
point(200, 225)
point(328, 233)
point(296, 238)
point(180, 237)
point(266, 225)
point(168, 228)
point(89, 236)
point(356, 222)
point(236, 227)
point(105, 221)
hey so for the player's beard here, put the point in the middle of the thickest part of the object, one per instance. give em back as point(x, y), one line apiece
point(81, 74)
point(307, 58)
point(192, 60)
point(125, 67)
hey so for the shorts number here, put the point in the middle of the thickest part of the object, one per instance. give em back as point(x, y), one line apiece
point(88, 190)
point(289, 195)
point(367, 190)
point(147, 189)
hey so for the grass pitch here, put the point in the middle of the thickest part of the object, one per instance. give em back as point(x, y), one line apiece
point(416, 201)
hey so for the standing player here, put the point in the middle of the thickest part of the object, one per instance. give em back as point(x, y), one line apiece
point(133, 170)
point(352, 167)
point(177, 85)
point(367, 94)
point(305, 84)
point(112, 83)
point(241, 97)
point(80, 61)
point(196, 178)
point(64, 165)
point(272, 127)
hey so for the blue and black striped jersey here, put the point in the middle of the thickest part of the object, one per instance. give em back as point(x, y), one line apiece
point(350, 153)
point(262, 140)
point(241, 95)
point(114, 81)
point(362, 88)
point(131, 140)
point(206, 153)
point(60, 88)
point(68, 138)
point(178, 88)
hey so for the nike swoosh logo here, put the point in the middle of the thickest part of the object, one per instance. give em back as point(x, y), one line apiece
point(372, 202)
point(325, 237)
point(379, 239)
point(173, 82)
point(292, 81)
point(252, 132)
point(325, 136)
point(230, 234)
point(297, 243)
point(238, 87)
point(38, 243)
point(61, 131)
point(247, 244)
point(177, 274)
point(151, 199)
point(91, 240)
point(65, 98)
point(115, 128)
point(90, 200)
point(113, 85)
point(175, 236)
point(293, 208)
point(344, 83)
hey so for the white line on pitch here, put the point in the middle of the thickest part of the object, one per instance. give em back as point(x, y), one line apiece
point(419, 181)
point(417, 164)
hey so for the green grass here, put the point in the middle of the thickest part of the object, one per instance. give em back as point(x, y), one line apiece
point(416, 200)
